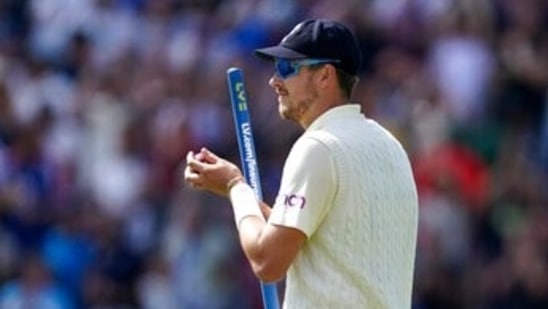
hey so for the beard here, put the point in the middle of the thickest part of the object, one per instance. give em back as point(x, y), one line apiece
point(294, 109)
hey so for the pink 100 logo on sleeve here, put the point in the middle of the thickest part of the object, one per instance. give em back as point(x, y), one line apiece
point(292, 200)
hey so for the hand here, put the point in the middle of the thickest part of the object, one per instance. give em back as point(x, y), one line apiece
point(207, 171)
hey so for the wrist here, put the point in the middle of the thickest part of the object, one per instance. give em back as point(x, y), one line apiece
point(244, 202)
point(234, 181)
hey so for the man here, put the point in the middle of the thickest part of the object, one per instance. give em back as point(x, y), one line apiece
point(343, 227)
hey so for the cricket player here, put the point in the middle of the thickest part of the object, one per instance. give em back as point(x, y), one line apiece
point(343, 228)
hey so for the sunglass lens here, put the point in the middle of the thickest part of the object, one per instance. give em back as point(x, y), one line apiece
point(284, 68)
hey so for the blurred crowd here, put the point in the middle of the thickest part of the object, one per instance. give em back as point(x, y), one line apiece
point(101, 99)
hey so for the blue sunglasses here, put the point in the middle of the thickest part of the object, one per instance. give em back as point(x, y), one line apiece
point(285, 68)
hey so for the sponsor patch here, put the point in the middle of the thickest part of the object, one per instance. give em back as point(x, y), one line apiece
point(292, 200)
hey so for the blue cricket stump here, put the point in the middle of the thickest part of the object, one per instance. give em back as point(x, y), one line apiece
point(248, 157)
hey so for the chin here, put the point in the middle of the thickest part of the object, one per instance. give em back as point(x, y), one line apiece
point(281, 109)
point(284, 112)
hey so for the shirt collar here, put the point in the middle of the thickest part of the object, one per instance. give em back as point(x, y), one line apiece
point(341, 111)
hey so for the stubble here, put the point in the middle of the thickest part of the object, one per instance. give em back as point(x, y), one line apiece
point(295, 109)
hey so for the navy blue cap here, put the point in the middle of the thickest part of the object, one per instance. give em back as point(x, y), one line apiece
point(320, 39)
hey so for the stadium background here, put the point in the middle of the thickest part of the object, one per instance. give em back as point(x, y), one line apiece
point(100, 100)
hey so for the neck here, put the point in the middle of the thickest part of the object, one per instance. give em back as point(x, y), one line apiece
point(317, 110)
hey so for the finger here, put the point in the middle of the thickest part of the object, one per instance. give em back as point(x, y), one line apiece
point(209, 156)
point(193, 163)
point(189, 174)
point(189, 156)
point(192, 178)
point(199, 156)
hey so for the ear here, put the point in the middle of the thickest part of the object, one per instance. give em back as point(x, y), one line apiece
point(327, 75)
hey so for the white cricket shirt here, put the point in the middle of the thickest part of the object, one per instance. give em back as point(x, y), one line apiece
point(348, 185)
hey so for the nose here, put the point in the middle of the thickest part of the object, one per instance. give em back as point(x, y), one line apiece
point(274, 80)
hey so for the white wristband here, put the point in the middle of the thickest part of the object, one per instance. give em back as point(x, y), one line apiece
point(244, 202)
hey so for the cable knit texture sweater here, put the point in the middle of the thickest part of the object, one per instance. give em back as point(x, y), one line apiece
point(362, 254)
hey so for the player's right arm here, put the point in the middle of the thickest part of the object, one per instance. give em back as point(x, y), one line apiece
point(269, 248)
point(265, 209)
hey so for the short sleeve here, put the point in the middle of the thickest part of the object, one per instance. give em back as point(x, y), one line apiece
point(307, 188)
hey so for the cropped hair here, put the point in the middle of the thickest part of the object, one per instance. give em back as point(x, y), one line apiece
point(346, 81)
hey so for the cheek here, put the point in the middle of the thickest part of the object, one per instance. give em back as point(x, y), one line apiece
point(295, 92)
